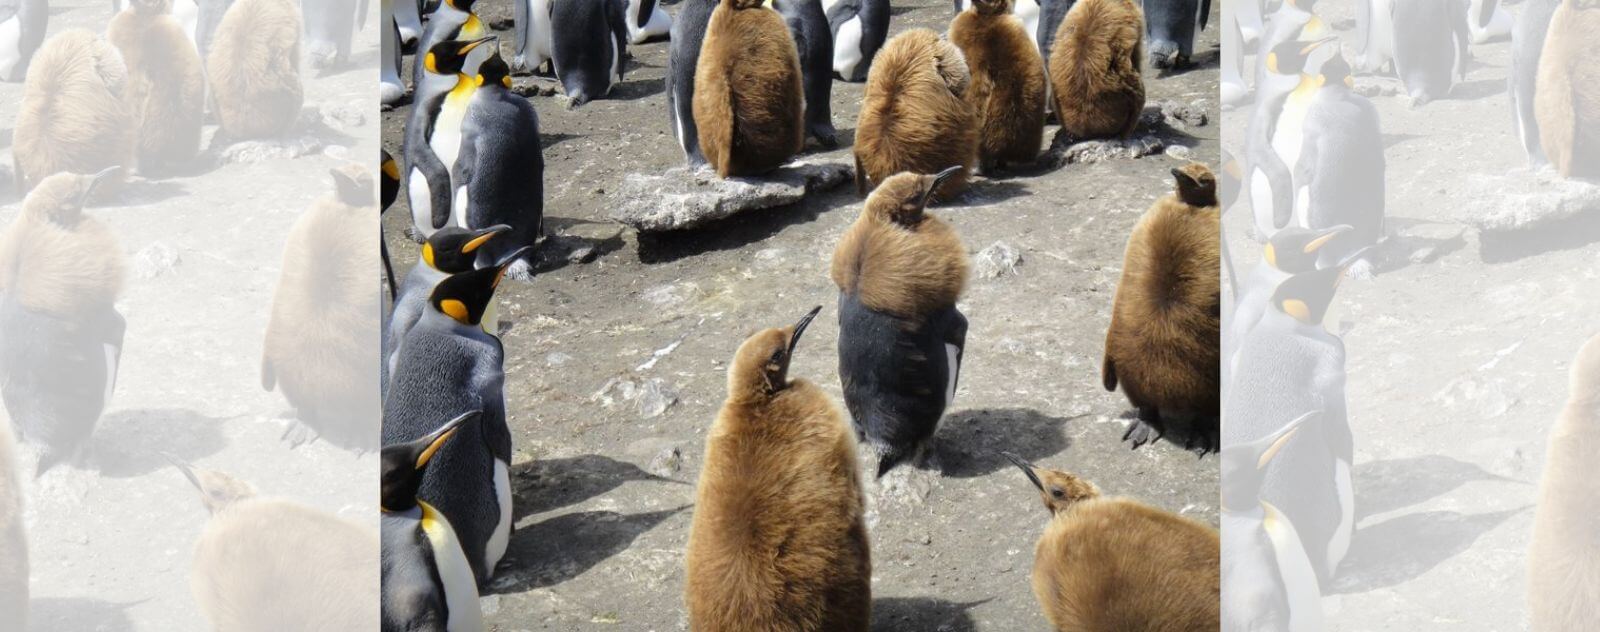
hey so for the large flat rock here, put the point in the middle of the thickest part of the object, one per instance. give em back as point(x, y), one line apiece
point(682, 198)
point(1523, 213)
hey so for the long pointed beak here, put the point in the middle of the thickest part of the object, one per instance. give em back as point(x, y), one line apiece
point(476, 43)
point(95, 180)
point(1318, 44)
point(800, 328)
point(438, 438)
point(188, 470)
point(1026, 467)
point(939, 179)
point(481, 237)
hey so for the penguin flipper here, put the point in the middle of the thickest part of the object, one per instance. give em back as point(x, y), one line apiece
point(1108, 373)
point(465, 168)
point(1205, 13)
point(617, 19)
point(955, 340)
point(1306, 169)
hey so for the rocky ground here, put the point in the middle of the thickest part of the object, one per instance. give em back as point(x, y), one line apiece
point(1458, 353)
point(617, 355)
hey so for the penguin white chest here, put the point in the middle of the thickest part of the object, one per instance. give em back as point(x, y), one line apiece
point(455, 574)
point(847, 47)
point(1299, 579)
point(187, 13)
point(446, 139)
point(540, 32)
point(502, 531)
point(1289, 135)
point(10, 44)
point(1028, 12)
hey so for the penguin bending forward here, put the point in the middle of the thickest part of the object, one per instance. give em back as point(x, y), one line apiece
point(859, 28)
point(913, 116)
point(809, 28)
point(748, 97)
point(72, 117)
point(499, 175)
point(427, 582)
point(1567, 104)
point(1008, 84)
point(1096, 69)
point(589, 47)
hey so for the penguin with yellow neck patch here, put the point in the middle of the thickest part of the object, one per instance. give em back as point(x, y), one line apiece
point(450, 251)
point(1289, 365)
point(449, 365)
point(453, 20)
point(499, 174)
point(427, 582)
point(433, 132)
point(1339, 174)
point(1292, 251)
point(1268, 583)
point(1276, 132)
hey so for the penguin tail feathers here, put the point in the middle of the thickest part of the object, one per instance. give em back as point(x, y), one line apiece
point(269, 376)
point(861, 178)
point(1108, 374)
point(890, 458)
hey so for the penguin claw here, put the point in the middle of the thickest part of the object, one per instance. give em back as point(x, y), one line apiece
point(1140, 433)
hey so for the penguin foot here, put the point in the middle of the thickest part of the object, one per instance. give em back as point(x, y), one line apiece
point(520, 270)
point(1140, 433)
point(1361, 270)
point(297, 434)
point(825, 134)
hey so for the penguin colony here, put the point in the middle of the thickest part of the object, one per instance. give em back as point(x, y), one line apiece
point(778, 540)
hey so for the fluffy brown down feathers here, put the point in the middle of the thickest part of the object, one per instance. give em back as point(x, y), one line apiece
point(1007, 92)
point(1096, 69)
point(71, 117)
point(56, 260)
point(1564, 559)
point(165, 93)
point(903, 270)
point(913, 116)
point(254, 68)
point(1567, 100)
point(748, 102)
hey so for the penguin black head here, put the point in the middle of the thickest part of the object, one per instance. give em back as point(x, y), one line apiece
point(903, 197)
point(452, 249)
point(494, 71)
point(466, 5)
point(1295, 250)
point(1336, 71)
point(760, 367)
point(1058, 489)
point(1289, 58)
point(402, 465)
point(450, 56)
point(991, 7)
point(389, 172)
point(1306, 296)
point(464, 297)
point(1304, 5)
point(60, 197)
point(353, 184)
point(217, 490)
point(1196, 185)
point(1244, 465)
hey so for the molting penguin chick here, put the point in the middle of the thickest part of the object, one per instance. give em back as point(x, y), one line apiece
point(1563, 560)
point(13, 541)
point(499, 175)
point(914, 117)
point(1096, 69)
point(1007, 92)
point(589, 47)
point(901, 338)
point(254, 68)
point(22, 29)
point(165, 90)
point(748, 100)
point(427, 582)
point(778, 540)
point(318, 347)
point(329, 27)
point(1161, 346)
point(1115, 564)
point(1567, 104)
point(271, 564)
point(60, 274)
point(72, 117)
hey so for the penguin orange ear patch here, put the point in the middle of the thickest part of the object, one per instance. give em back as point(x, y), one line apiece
point(391, 170)
point(1270, 254)
point(430, 63)
point(454, 309)
point(1272, 62)
point(1298, 309)
point(427, 254)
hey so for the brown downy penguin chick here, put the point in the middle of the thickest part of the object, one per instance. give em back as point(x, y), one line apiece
point(778, 541)
point(265, 564)
point(254, 68)
point(72, 117)
point(1566, 102)
point(1096, 69)
point(1161, 346)
point(321, 342)
point(913, 117)
point(1008, 84)
point(748, 102)
point(13, 541)
point(1115, 564)
point(165, 93)
point(1564, 560)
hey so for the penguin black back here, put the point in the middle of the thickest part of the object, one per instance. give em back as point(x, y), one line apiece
point(427, 582)
point(683, 55)
point(749, 102)
point(589, 47)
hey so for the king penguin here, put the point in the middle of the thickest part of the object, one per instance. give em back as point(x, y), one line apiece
point(1430, 47)
point(860, 27)
point(646, 21)
point(391, 89)
point(1293, 20)
point(1291, 251)
point(1374, 36)
point(253, 69)
point(499, 175)
point(1567, 103)
point(388, 189)
point(427, 582)
point(329, 29)
point(22, 29)
point(809, 28)
point(450, 251)
point(13, 541)
point(534, 38)
point(454, 20)
point(1170, 27)
point(1275, 133)
point(60, 274)
point(1096, 69)
point(1008, 83)
point(1287, 366)
point(449, 365)
point(914, 116)
point(683, 55)
point(1565, 522)
point(1488, 20)
point(408, 21)
point(1527, 45)
point(433, 132)
point(1268, 583)
point(72, 117)
point(1152, 570)
point(779, 540)
point(1339, 174)
point(165, 91)
point(588, 48)
point(900, 272)
point(749, 103)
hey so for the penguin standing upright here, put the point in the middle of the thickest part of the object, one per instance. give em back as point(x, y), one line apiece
point(588, 47)
point(1276, 132)
point(1339, 175)
point(165, 90)
point(22, 28)
point(427, 582)
point(1007, 91)
point(1170, 27)
point(329, 28)
point(1161, 345)
point(901, 338)
point(1430, 47)
point(13, 541)
point(1527, 45)
point(1374, 37)
point(683, 55)
point(913, 115)
point(1564, 523)
point(254, 69)
point(1026, 11)
point(1291, 251)
point(499, 176)
point(454, 20)
point(534, 38)
point(809, 28)
point(60, 274)
point(1235, 91)
point(1105, 564)
point(388, 190)
point(322, 569)
point(749, 103)
point(779, 540)
point(433, 133)
point(71, 117)
point(1267, 581)
point(1096, 69)
point(1287, 366)
point(1567, 103)
point(448, 366)
point(408, 21)
point(390, 88)
point(860, 27)
point(450, 251)
point(646, 21)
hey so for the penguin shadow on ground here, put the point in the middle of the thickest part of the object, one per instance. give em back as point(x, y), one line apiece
point(1414, 242)
point(54, 614)
point(922, 614)
point(742, 229)
point(1199, 61)
point(1576, 231)
point(1477, 89)
point(1390, 140)
point(547, 141)
point(130, 443)
point(543, 485)
point(901, 9)
point(970, 442)
point(140, 191)
point(566, 546)
point(558, 251)
point(993, 189)
point(1385, 486)
point(632, 88)
point(1400, 549)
